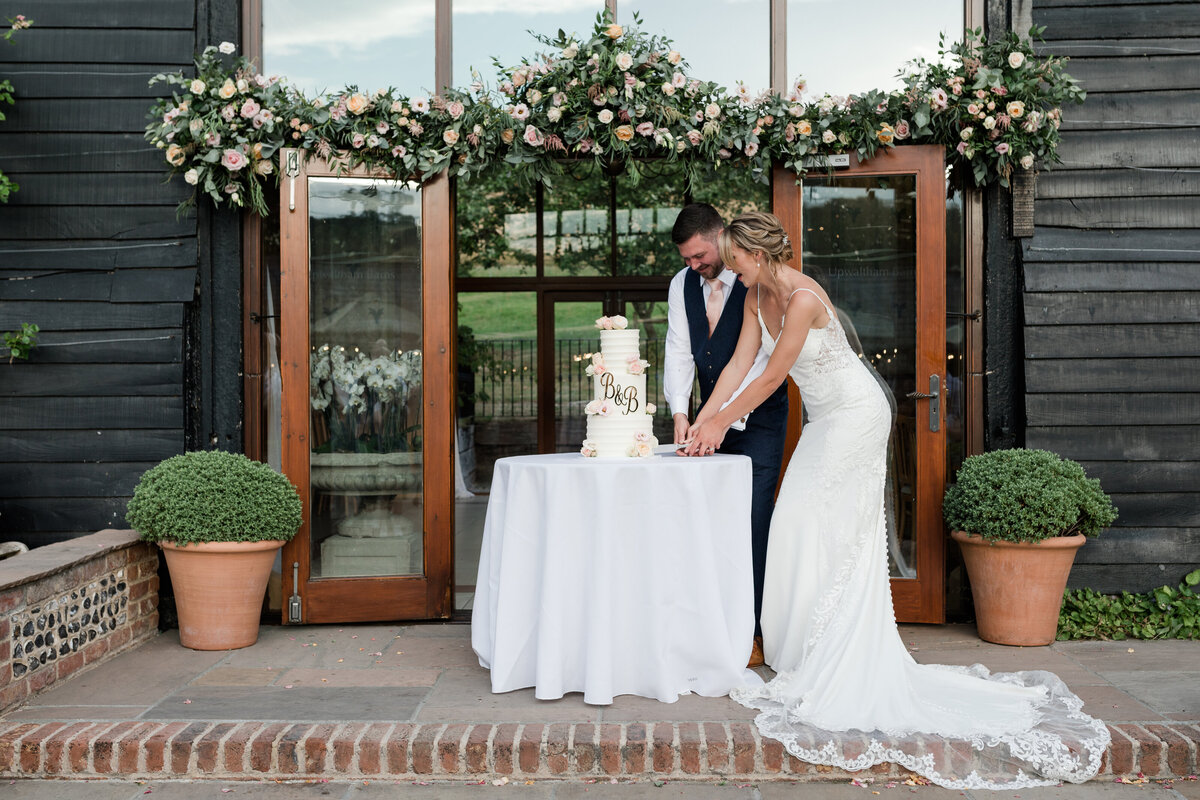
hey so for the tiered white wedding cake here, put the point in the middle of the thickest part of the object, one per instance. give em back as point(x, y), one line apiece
point(619, 418)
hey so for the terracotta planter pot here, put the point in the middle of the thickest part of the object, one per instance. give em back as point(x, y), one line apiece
point(1018, 586)
point(219, 590)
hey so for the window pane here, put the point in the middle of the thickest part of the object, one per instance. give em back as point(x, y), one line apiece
point(371, 45)
point(575, 234)
point(733, 192)
point(843, 48)
point(722, 40)
point(496, 219)
point(497, 409)
point(365, 377)
point(484, 29)
point(645, 214)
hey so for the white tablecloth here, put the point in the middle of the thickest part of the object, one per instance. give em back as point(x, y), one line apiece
point(616, 576)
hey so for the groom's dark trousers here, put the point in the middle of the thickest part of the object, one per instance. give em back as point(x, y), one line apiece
point(766, 428)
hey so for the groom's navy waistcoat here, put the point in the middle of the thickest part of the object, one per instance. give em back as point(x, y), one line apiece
point(712, 353)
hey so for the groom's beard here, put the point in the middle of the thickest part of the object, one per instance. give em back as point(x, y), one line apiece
point(710, 271)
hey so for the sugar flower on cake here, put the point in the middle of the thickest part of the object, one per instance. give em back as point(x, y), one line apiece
point(651, 408)
point(593, 407)
point(588, 450)
point(607, 408)
point(619, 323)
point(637, 365)
point(597, 366)
point(640, 450)
point(645, 437)
point(604, 323)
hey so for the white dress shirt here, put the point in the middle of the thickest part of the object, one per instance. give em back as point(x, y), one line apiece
point(679, 368)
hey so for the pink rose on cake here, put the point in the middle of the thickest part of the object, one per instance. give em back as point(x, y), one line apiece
point(619, 323)
point(607, 407)
point(642, 437)
point(604, 324)
point(597, 366)
point(589, 449)
point(637, 365)
point(593, 407)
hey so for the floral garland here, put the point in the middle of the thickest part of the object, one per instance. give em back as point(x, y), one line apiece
point(614, 98)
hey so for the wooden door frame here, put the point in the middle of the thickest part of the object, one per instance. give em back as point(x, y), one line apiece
point(922, 599)
point(363, 599)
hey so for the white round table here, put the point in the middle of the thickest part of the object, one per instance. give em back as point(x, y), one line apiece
point(616, 576)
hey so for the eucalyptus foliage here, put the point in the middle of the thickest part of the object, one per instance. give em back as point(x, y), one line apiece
point(1026, 496)
point(214, 496)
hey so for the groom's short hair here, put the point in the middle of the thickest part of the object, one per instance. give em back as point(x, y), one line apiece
point(696, 218)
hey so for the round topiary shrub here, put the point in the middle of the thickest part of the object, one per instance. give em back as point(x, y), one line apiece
point(1025, 496)
point(214, 496)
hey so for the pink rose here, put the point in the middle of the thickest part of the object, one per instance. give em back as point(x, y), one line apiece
point(357, 140)
point(533, 137)
point(693, 136)
point(938, 99)
point(455, 109)
point(250, 108)
point(962, 146)
point(1002, 148)
point(752, 149)
point(382, 127)
point(902, 130)
point(646, 129)
point(233, 160)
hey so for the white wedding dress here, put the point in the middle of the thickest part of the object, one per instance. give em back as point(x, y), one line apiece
point(848, 693)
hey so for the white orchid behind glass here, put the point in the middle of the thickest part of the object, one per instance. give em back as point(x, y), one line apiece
point(363, 401)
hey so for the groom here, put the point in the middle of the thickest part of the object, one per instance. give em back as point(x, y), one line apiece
point(704, 318)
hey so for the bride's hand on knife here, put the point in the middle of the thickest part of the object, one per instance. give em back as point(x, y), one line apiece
point(704, 438)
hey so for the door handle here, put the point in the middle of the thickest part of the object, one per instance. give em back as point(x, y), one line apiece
point(934, 396)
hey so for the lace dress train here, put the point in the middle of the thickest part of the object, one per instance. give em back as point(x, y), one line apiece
point(848, 693)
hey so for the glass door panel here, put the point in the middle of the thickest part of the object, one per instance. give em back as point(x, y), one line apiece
point(860, 244)
point(365, 378)
point(367, 394)
point(874, 236)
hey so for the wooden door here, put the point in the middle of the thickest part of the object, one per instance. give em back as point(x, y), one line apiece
point(368, 394)
point(874, 236)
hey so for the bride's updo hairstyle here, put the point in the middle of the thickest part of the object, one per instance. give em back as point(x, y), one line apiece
point(757, 232)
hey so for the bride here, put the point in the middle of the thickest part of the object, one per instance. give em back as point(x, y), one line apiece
point(847, 693)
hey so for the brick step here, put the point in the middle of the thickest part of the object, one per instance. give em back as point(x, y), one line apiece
point(663, 750)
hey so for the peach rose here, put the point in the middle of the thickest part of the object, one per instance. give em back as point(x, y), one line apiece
point(357, 103)
point(175, 155)
point(614, 31)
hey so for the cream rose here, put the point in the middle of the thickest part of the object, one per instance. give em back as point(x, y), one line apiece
point(619, 323)
point(1027, 161)
point(712, 111)
point(828, 136)
point(554, 113)
point(198, 86)
point(1016, 60)
point(192, 177)
point(605, 116)
point(624, 61)
point(1015, 109)
point(674, 57)
point(450, 136)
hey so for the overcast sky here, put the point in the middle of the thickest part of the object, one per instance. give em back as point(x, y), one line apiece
point(840, 47)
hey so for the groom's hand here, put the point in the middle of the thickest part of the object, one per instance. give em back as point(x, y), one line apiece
point(681, 428)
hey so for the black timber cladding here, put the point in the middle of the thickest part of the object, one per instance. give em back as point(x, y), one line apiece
point(93, 251)
point(1111, 299)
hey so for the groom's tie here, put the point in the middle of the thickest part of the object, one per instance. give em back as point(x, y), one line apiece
point(715, 304)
